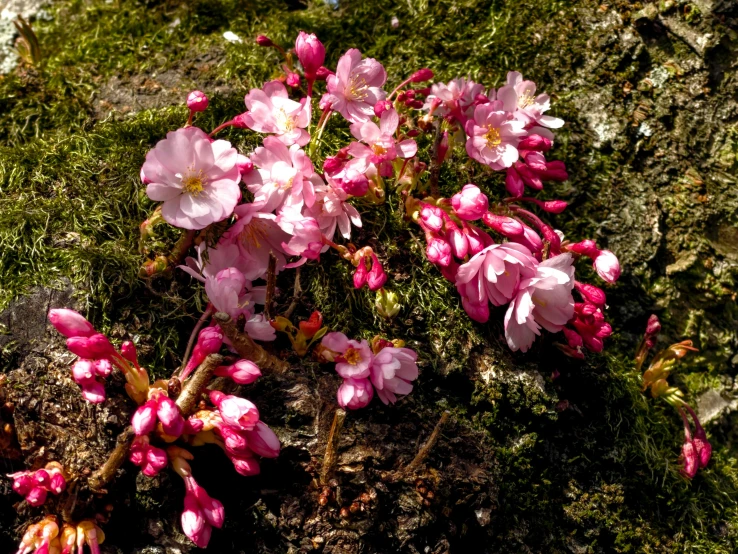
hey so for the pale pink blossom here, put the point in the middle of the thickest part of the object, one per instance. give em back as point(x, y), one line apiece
point(518, 96)
point(228, 292)
point(356, 87)
point(235, 411)
point(544, 300)
point(306, 238)
point(257, 234)
point(212, 260)
point(354, 357)
point(378, 146)
point(392, 371)
point(456, 98)
point(283, 177)
point(470, 203)
point(271, 111)
point(332, 211)
point(355, 393)
point(493, 137)
point(195, 178)
point(493, 275)
point(258, 327)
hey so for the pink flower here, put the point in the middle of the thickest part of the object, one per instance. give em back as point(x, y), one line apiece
point(92, 347)
point(70, 323)
point(149, 458)
point(380, 147)
point(245, 465)
point(217, 258)
point(196, 179)
point(243, 372)
point(456, 98)
point(544, 300)
point(355, 357)
point(283, 177)
point(350, 181)
point(144, 418)
point(236, 411)
point(518, 97)
point(470, 204)
point(493, 275)
point(194, 525)
point(355, 393)
point(263, 441)
point(258, 328)
point(392, 370)
point(256, 233)
point(332, 211)
point(356, 87)
point(311, 53)
point(306, 237)
point(607, 266)
point(227, 292)
point(493, 137)
point(169, 416)
point(271, 111)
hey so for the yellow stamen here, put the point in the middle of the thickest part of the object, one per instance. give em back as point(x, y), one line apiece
point(192, 182)
point(357, 89)
point(352, 356)
point(525, 100)
point(493, 137)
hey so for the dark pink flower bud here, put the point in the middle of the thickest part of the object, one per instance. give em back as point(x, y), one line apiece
point(193, 426)
point(311, 53)
point(245, 165)
point(83, 371)
point(607, 266)
point(412, 133)
point(690, 459)
point(459, 243)
point(573, 338)
point(216, 397)
point(292, 79)
point(41, 478)
point(470, 203)
point(128, 351)
point(438, 250)
point(170, 417)
point(528, 177)
point(155, 461)
point(263, 40)
point(478, 240)
point(36, 496)
point(332, 165)
point(197, 101)
point(246, 466)
point(212, 508)
point(355, 393)
point(381, 107)
point(263, 441)
point(93, 392)
point(703, 447)
point(555, 171)
point(587, 248)
point(442, 148)
point(514, 182)
point(361, 274)
point(234, 441)
point(57, 483)
point(70, 323)
point(421, 75)
point(240, 121)
point(243, 372)
point(653, 327)
point(238, 412)
point(322, 73)
point(401, 96)
point(431, 217)
point(376, 278)
point(193, 519)
point(535, 142)
point(22, 482)
point(92, 347)
point(354, 183)
point(144, 418)
point(552, 206)
point(414, 104)
point(591, 293)
point(504, 225)
point(137, 452)
point(530, 239)
point(209, 342)
point(449, 272)
point(103, 367)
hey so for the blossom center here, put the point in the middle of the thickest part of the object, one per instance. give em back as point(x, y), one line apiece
point(357, 88)
point(493, 137)
point(378, 149)
point(192, 182)
point(287, 185)
point(525, 100)
point(254, 233)
point(284, 121)
point(352, 356)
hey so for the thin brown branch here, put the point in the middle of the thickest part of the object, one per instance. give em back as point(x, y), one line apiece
point(187, 401)
point(296, 293)
point(331, 448)
point(102, 476)
point(247, 348)
point(271, 286)
point(190, 343)
point(424, 450)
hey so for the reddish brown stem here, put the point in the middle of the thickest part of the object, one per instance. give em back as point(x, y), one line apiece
point(247, 348)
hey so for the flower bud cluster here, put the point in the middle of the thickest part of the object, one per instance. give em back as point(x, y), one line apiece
point(35, 485)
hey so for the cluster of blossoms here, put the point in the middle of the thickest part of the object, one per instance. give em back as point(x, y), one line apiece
point(696, 449)
point(384, 366)
point(45, 537)
point(35, 485)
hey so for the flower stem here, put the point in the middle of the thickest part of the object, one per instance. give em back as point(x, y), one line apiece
point(209, 311)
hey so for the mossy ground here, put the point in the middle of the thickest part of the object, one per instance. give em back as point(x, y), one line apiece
point(585, 462)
